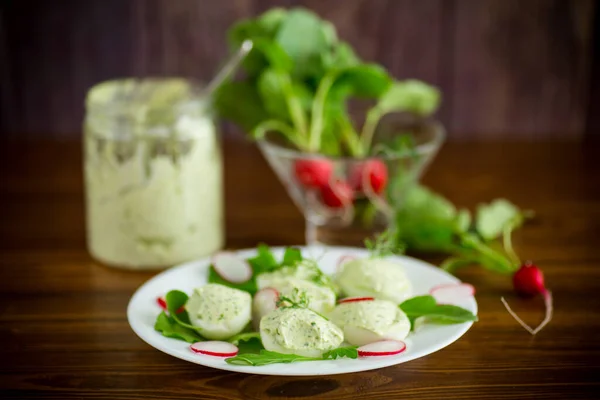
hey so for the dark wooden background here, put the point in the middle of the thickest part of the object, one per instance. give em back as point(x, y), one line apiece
point(508, 68)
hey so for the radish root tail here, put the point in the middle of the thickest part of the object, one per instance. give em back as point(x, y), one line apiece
point(549, 311)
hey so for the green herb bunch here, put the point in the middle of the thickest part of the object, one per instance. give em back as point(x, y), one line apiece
point(297, 82)
point(429, 223)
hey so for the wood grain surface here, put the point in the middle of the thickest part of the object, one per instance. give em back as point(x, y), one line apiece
point(64, 331)
point(507, 68)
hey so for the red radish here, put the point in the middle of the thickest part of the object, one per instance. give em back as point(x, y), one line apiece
point(382, 348)
point(215, 348)
point(355, 299)
point(372, 172)
point(231, 267)
point(265, 301)
point(452, 293)
point(344, 259)
point(529, 281)
point(313, 173)
point(337, 194)
point(162, 303)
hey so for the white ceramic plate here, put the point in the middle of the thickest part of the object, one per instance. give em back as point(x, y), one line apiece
point(143, 310)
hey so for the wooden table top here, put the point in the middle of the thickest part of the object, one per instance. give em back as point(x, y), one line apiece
point(62, 316)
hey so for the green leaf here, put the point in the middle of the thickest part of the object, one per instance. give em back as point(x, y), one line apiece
point(274, 55)
point(280, 99)
point(266, 357)
point(291, 256)
point(243, 337)
point(248, 342)
point(271, 20)
point(425, 306)
point(168, 327)
point(228, 98)
point(264, 261)
point(343, 56)
point(348, 352)
point(304, 37)
point(488, 257)
point(406, 96)
point(463, 220)
point(492, 218)
point(176, 300)
point(363, 80)
point(426, 221)
point(412, 96)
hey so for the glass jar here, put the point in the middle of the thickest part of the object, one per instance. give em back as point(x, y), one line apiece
point(153, 174)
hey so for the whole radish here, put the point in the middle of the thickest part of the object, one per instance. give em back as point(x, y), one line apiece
point(337, 194)
point(313, 173)
point(373, 172)
point(528, 281)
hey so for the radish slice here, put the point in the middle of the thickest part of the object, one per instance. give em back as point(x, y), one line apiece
point(215, 348)
point(355, 299)
point(265, 301)
point(344, 259)
point(162, 303)
point(382, 348)
point(452, 293)
point(231, 267)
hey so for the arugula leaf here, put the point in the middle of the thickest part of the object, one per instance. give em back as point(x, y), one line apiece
point(247, 342)
point(264, 261)
point(291, 256)
point(426, 306)
point(243, 337)
point(169, 327)
point(176, 300)
point(348, 352)
point(266, 357)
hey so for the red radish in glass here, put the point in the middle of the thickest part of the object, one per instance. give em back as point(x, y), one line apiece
point(528, 281)
point(215, 348)
point(382, 348)
point(373, 172)
point(337, 194)
point(313, 173)
point(355, 299)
